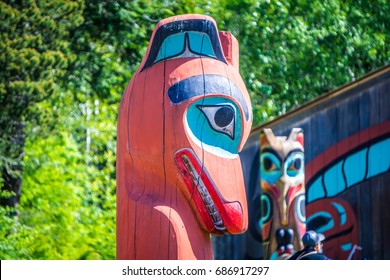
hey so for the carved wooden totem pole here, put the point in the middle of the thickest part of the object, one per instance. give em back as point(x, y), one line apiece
point(283, 192)
point(183, 119)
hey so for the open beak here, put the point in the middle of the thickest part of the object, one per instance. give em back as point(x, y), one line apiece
point(217, 215)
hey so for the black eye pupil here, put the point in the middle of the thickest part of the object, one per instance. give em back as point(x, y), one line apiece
point(267, 164)
point(297, 164)
point(224, 116)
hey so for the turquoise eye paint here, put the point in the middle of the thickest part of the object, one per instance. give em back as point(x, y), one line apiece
point(206, 124)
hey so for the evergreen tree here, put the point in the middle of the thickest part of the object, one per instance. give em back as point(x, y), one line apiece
point(35, 56)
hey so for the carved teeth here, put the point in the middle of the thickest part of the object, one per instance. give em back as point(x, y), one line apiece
point(205, 195)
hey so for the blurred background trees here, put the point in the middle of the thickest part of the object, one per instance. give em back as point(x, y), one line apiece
point(65, 64)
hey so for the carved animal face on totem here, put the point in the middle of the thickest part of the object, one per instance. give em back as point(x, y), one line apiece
point(187, 117)
point(211, 115)
point(283, 197)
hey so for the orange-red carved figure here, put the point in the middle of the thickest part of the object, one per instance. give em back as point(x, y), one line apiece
point(283, 192)
point(183, 119)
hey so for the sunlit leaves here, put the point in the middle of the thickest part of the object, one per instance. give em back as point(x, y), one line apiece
point(301, 49)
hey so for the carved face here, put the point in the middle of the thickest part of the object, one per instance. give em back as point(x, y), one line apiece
point(188, 116)
point(282, 184)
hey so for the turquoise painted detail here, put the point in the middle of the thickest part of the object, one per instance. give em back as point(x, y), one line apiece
point(172, 46)
point(274, 256)
point(325, 227)
point(334, 180)
point(290, 163)
point(265, 216)
point(346, 247)
point(203, 132)
point(316, 190)
point(201, 43)
point(379, 158)
point(273, 174)
point(342, 212)
point(355, 167)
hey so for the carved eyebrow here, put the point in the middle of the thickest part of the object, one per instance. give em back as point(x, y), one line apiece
point(183, 43)
point(200, 25)
point(294, 151)
point(271, 151)
point(203, 85)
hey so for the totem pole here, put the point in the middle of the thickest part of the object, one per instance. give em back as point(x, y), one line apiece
point(183, 119)
point(283, 193)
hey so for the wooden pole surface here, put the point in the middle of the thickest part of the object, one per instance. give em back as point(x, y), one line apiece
point(183, 119)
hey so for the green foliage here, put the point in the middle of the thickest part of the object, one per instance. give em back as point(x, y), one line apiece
point(34, 43)
point(61, 214)
point(34, 54)
point(51, 201)
point(302, 48)
point(15, 237)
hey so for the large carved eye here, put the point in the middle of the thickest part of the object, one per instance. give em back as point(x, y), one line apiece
point(220, 117)
point(268, 164)
point(295, 164)
point(215, 124)
point(270, 167)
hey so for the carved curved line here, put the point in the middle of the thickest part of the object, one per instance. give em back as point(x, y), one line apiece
point(204, 85)
point(367, 161)
point(171, 28)
point(343, 158)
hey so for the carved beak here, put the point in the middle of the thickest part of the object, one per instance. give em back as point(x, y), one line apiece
point(217, 215)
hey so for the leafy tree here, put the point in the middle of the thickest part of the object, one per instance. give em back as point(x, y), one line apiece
point(295, 50)
point(57, 204)
point(35, 54)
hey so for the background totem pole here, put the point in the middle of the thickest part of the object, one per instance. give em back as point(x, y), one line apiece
point(283, 192)
point(183, 119)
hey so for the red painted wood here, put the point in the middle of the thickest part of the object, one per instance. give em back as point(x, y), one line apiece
point(160, 212)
